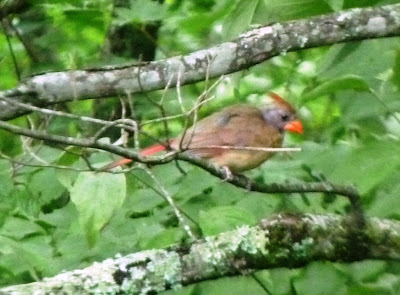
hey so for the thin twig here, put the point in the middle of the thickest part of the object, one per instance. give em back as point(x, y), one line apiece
point(120, 122)
point(63, 114)
point(27, 164)
point(247, 148)
point(5, 23)
point(167, 118)
point(168, 198)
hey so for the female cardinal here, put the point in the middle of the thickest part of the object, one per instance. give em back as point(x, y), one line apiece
point(237, 126)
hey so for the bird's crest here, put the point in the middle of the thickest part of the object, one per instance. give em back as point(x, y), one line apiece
point(281, 102)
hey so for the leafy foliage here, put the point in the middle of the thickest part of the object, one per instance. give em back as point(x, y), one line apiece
point(347, 96)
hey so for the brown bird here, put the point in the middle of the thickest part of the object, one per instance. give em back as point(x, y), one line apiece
point(230, 138)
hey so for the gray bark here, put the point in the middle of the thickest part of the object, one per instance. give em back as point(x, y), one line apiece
point(280, 241)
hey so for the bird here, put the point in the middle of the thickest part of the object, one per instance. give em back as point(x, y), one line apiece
point(230, 137)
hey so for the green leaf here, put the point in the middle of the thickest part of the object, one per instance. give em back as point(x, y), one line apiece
point(338, 84)
point(6, 183)
point(45, 186)
point(141, 11)
point(365, 168)
point(396, 70)
point(365, 59)
point(282, 280)
point(68, 158)
point(336, 5)
point(190, 185)
point(19, 228)
point(260, 205)
point(332, 282)
point(368, 270)
point(224, 218)
point(240, 19)
point(281, 10)
point(387, 203)
point(165, 238)
point(30, 255)
point(97, 196)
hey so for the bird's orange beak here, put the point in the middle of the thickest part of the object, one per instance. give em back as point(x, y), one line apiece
point(294, 126)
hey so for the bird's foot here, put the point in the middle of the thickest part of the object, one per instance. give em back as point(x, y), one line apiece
point(227, 173)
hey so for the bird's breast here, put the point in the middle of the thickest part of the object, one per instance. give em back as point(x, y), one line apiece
point(240, 160)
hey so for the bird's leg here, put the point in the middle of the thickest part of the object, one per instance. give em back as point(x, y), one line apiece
point(227, 173)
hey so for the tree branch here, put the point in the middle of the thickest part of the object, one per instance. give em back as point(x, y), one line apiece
point(247, 50)
point(280, 241)
point(237, 180)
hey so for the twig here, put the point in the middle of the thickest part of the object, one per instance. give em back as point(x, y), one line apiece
point(119, 122)
point(247, 148)
point(195, 107)
point(12, 160)
point(5, 24)
point(63, 114)
point(168, 198)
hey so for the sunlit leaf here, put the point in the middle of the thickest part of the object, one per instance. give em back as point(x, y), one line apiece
point(97, 196)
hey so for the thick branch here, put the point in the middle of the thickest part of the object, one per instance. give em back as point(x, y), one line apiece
point(249, 49)
point(281, 241)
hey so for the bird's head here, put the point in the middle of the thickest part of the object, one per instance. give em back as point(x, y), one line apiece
point(282, 115)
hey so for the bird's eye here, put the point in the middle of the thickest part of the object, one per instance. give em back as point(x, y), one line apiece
point(285, 117)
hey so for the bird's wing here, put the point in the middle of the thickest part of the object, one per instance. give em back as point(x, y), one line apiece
point(237, 126)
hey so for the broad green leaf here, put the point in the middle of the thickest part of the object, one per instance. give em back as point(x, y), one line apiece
point(330, 282)
point(365, 166)
point(19, 228)
point(367, 169)
point(68, 158)
point(336, 5)
point(165, 238)
point(224, 218)
point(97, 196)
point(66, 177)
point(190, 185)
point(281, 10)
point(396, 70)
point(260, 205)
point(239, 285)
point(332, 86)
point(6, 182)
point(141, 11)
point(386, 203)
point(240, 19)
point(31, 255)
point(282, 280)
point(366, 271)
point(366, 59)
point(365, 3)
point(45, 186)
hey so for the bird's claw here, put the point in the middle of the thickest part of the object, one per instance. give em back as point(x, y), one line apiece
point(227, 173)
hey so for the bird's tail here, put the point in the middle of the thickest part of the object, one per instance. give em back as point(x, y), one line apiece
point(145, 152)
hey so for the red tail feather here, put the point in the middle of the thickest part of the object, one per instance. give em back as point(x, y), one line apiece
point(152, 150)
point(145, 152)
point(118, 163)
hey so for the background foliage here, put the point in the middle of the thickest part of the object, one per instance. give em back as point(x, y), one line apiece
point(347, 95)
